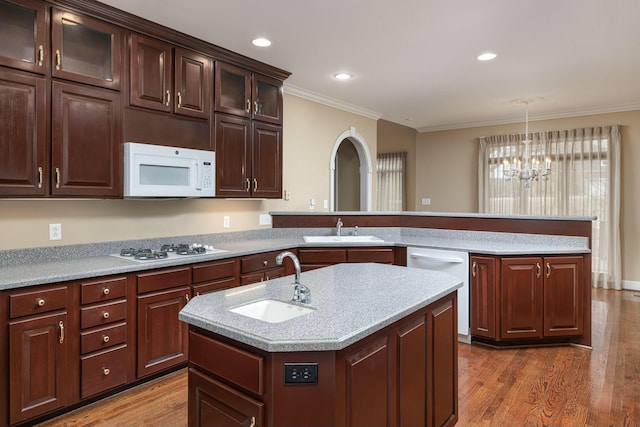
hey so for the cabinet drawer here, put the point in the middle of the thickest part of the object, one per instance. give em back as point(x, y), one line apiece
point(253, 263)
point(103, 314)
point(38, 300)
point(163, 279)
point(381, 255)
point(322, 256)
point(103, 290)
point(233, 364)
point(104, 370)
point(101, 338)
point(217, 285)
point(214, 271)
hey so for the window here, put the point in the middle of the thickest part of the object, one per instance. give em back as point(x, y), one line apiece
point(391, 181)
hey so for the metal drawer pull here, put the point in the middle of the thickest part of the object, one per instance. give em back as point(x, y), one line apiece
point(61, 325)
point(40, 55)
point(265, 263)
point(548, 270)
point(57, 177)
point(105, 338)
point(537, 269)
point(473, 268)
point(106, 371)
point(40, 177)
point(106, 291)
point(58, 59)
point(253, 422)
point(168, 98)
point(40, 302)
point(105, 315)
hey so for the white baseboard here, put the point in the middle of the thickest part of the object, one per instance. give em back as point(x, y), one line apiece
point(630, 285)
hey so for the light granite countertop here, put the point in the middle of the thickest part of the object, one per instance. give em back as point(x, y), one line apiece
point(350, 302)
point(37, 266)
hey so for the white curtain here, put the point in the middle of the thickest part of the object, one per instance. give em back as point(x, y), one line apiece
point(391, 181)
point(584, 181)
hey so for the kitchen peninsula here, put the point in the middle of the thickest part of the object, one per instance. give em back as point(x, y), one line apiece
point(378, 345)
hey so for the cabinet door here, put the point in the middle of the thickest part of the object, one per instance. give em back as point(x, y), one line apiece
point(38, 366)
point(233, 155)
point(233, 90)
point(267, 99)
point(25, 35)
point(483, 297)
point(162, 337)
point(563, 303)
point(151, 62)
point(193, 80)
point(23, 135)
point(214, 404)
point(85, 150)
point(267, 161)
point(86, 50)
point(521, 298)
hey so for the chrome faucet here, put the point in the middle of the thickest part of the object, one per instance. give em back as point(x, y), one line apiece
point(339, 227)
point(301, 293)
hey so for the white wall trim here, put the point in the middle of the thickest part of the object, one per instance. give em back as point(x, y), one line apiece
point(630, 285)
point(331, 102)
point(366, 168)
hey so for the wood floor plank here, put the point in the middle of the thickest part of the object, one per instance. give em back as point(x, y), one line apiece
point(543, 387)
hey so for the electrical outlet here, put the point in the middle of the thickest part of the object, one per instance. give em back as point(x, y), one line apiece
point(301, 373)
point(226, 222)
point(325, 204)
point(426, 201)
point(265, 219)
point(55, 231)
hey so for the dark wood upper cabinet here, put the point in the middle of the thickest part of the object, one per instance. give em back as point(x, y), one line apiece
point(25, 35)
point(85, 148)
point(242, 93)
point(24, 165)
point(266, 161)
point(156, 86)
point(86, 50)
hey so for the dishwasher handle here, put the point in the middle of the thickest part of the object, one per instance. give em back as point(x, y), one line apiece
point(452, 260)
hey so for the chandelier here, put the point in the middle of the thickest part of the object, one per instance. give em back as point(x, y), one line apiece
point(528, 168)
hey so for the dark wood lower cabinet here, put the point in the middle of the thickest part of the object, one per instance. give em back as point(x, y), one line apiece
point(403, 375)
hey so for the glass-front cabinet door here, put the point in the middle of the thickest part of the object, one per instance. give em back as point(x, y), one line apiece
point(86, 50)
point(24, 41)
point(233, 90)
point(267, 99)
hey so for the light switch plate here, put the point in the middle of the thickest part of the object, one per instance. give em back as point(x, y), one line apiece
point(265, 219)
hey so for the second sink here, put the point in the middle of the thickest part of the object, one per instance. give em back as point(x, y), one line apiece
point(272, 311)
point(341, 239)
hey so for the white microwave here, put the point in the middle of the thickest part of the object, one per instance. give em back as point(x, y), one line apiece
point(159, 171)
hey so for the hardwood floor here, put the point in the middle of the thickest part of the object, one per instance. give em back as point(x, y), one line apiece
point(549, 386)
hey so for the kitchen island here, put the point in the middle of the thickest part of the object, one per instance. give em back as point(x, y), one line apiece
point(377, 348)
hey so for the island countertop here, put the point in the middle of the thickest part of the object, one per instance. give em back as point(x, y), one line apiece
point(350, 302)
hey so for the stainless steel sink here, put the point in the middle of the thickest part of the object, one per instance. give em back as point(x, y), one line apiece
point(272, 311)
point(341, 239)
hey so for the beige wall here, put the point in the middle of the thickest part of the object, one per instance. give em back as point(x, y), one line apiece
point(446, 164)
point(394, 138)
point(310, 132)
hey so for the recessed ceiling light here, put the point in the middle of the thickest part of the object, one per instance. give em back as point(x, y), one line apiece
point(343, 76)
point(261, 42)
point(487, 56)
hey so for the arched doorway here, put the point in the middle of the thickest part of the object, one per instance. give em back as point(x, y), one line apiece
point(353, 142)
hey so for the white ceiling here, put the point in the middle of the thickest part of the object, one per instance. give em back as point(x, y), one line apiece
point(416, 59)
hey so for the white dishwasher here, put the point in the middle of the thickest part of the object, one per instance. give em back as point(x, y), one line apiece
point(455, 263)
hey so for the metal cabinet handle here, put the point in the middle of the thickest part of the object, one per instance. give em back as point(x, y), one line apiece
point(40, 177)
point(253, 422)
point(248, 187)
point(58, 59)
point(168, 100)
point(537, 269)
point(40, 55)
point(40, 302)
point(105, 315)
point(105, 338)
point(255, 107)
point(57, 177)
point(248, 106)
point(255, 184)
point(61, 325)
point(474, 266)
point(179, 99)
point(186, 296)
point(548, 270)
point(106, 371)
point(265, 263)
point(105, 291)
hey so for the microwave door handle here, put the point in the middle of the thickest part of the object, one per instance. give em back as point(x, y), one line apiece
point(198, 175)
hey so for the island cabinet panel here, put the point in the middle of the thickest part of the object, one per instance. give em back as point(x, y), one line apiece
point(412, 372)
point(483, 296)
point(563, 296)
point(521, 298)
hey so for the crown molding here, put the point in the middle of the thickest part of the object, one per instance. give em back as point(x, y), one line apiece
point(330, 102)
